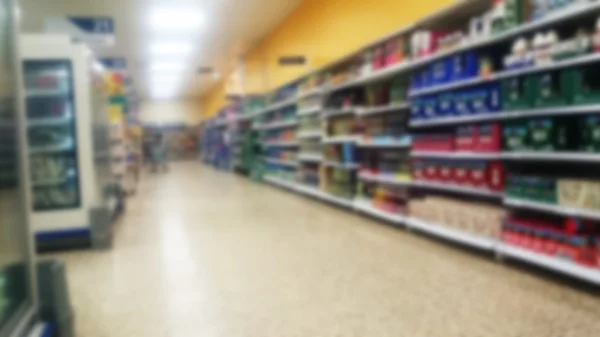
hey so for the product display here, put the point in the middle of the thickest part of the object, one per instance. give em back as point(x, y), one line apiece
point(470, 103)
point(470, 217)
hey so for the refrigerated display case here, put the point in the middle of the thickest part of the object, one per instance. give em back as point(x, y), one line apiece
point(73, 192)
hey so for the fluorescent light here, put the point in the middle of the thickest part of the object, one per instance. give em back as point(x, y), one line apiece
point(167, 66)
point(176, 20)
point(171, 48)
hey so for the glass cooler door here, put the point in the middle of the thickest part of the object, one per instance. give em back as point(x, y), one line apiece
point(52, 134)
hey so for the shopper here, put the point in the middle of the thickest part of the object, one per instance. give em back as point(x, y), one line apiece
point(159, 153)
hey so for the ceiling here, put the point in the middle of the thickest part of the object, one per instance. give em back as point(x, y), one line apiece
point(229, 29)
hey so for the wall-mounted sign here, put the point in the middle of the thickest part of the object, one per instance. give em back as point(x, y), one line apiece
point(95, 31)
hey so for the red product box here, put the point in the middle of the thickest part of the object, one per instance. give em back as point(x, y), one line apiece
point(477, 174)
point(446, 171)
point(488, 138)
point(394, 51)
point(598, 252)
point(431, 171)
point(418, 170)
point(461, 173)
point(420, 143)
point(466, 137)
point(378, 57)
point(495, 176)
point(576, 248)
point(442, 142)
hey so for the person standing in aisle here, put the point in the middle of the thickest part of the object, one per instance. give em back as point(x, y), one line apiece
point(159, 153)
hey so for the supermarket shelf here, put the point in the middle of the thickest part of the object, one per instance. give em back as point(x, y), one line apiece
point(452, 234)
point(366, 207)
point(279, 105)
point(575, 61)
point(310, 93)
point(67, 146)
point(381, 109)
point(31, 93)
point(342, 202)
point(341, 166)
point(310, 157)
point(385, 144)
point(52, 121)
point(330, 113)
point(341, 139)
point(278, 125)
point(282, 162)
point(50, 182)
point(384, 179)
point(553, 156)
point(281, 143)
point(308, 134)
point(552, 208)
point(587, 274)
point(457, 189)
point(309, 111)
point(456, 155)
point(280, 182)
point(503, 115)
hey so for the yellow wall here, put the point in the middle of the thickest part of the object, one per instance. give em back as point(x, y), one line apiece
point(171, 112)
point(323, 31)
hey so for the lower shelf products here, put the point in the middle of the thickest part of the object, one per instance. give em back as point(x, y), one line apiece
point(472, 217)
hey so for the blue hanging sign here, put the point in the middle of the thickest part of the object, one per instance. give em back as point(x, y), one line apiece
point(95, 31)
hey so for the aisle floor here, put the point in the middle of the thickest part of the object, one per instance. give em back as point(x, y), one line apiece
point(202, 253)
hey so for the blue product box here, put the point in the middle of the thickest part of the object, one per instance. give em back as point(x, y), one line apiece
point(446, 105)
point(415, 82)
point(425, 78)
point(441, 72)
point(430, 107)
point(348, 153)
point(416, 109)
point(461, 99)
point(494, 98)
point(478, 99)
point(464, 66)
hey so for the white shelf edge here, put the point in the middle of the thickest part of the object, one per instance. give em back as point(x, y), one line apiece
point(289, 163)
point(364, 206)
point(330, 113)
point(384, 144)
point(341, 139)
point(309, 111)
point(286, 143)
point(456, 155)
point(552, 156)
point(310, 93)
point(572, 269)
point(452, 234)
point(383, 179)
point(279, 125)
point(382, 109)
point(310, 158)
point(309, 134)
point(467, 190)
point(341, 166)
point(503, 115)
point(552, 208)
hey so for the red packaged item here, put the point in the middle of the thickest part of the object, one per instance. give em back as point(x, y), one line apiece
point(477, 174)
point(576, 248)
point(418, 170)
point(461, 173)
point(495, 176)
point(598, 251)
point(552, 241)
point(431, 171)
point(488, 138)
point(394, 51)
point(465, 138)
point(378, 57)
point(446, 171)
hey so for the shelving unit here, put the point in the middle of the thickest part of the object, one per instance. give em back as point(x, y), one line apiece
point(390, 151)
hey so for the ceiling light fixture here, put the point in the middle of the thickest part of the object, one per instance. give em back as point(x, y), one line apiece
point(170, 48)
point(176, 20)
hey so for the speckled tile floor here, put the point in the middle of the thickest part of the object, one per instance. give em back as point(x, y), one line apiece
point(203, 253)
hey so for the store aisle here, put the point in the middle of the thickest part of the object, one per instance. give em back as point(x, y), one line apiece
point(203, 253)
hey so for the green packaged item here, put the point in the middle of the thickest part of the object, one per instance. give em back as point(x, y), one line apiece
point(583, 84)
point(518, 93)
point(515, 136)
point(397, 91)
point(552, 89)
point(552, 134)
point(506, 14)
point(590, 138)
point(540, 189)
point(514, 187)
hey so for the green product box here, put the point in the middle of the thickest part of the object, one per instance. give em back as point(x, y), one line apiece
point(552, 89)
point(512, 15)
point(397, 91)
point(516, 136)
point(514, 187)
point(584, 84)
point(590, 138)
point(543, 190)
point(552, 134)
point(518, 93)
